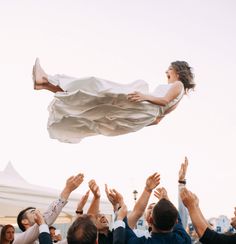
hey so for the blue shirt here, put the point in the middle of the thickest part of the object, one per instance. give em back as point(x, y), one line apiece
point(177, 236)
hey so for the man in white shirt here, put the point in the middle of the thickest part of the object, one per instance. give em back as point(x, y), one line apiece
point(26, 220)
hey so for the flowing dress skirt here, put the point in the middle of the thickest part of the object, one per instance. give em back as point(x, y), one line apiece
point(92, 106)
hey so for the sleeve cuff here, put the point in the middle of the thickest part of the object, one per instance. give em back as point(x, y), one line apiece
point(118, 223)
point(43, 228)
point(63, 201)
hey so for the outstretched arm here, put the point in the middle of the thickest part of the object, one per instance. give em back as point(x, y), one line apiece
point(119, 234)
point(152, 182)
point(95, 204)
point(82, 203)
point(161, 193)
point(191, 201)
point(112, 198)
point(162, 101)
point(71, 184)
point(55, 207)
point(183, 212)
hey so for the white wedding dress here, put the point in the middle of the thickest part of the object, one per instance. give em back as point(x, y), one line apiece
point(92, 106)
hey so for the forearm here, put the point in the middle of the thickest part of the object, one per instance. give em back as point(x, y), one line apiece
point(28, 236)
point(198, 220)
point(65, 194)
point(139, 208)
point(156, 100)
point(94, 207)
point(54, 209)
point(206, 222)
point(183, 211)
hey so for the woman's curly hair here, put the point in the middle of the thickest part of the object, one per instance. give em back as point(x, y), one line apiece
point(185, 73)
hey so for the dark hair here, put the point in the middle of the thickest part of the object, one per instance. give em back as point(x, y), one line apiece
point(3, 232)
point(21, 216)
point(164, 215)
point(82, 231)
point(52, 228)
point(185, 73)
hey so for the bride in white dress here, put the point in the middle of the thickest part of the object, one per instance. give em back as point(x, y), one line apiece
point(91, 106)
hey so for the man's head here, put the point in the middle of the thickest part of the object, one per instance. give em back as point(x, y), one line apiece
point(164, 215)
point(25, 218)
point(82, 231)
point(102, 223)
point(233, 219)
point(52, 231)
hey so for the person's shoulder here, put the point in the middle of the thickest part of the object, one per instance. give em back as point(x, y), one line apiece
point(141, 233)
point(210, 234)
point(177, 84)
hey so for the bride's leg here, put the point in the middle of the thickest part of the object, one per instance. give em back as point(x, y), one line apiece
point(40, 78)
point(49, 87)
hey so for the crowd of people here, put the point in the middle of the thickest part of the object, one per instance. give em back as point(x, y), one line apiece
point(165, 223)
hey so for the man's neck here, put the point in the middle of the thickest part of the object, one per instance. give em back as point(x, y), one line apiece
point(156, 230)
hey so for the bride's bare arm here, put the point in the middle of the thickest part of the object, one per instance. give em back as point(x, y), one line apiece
point(162, 101)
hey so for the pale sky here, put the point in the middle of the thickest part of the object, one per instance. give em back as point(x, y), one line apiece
point(123, 41)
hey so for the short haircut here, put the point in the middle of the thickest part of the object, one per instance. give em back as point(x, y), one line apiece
point(21, 216)
point(164, 215)
point(82, 231)
point(52, 228)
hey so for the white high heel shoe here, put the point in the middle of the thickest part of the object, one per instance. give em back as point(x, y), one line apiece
point(38, 75)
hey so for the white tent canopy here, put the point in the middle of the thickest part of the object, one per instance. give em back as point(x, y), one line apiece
point(16, 194)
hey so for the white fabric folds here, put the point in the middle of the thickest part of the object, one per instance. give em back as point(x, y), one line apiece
point(92, 106)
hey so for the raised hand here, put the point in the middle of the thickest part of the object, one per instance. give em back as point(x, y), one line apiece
point(74, 181)
point(111, 198)
point(122, 212)
point(161, 193)
point(71, 184)
point(117, 196)
point(94, 188)
point(152, 182)
point(183, 170)
point(189, 199)
point(83, 201)
point(38, 217)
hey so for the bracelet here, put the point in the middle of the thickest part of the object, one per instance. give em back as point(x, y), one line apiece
point(79, 212)
point(182, 182)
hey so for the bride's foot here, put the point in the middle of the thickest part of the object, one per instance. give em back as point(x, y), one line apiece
point(39, 76)
point(40, 79)
point(36, 85)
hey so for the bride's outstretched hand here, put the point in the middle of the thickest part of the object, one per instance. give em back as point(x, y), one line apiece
point(137, 97)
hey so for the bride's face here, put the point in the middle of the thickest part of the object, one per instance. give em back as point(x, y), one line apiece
point(172, 74)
